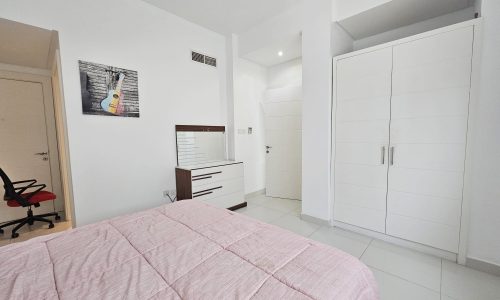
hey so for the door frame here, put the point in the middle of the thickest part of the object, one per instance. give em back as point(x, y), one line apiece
point(62, 137)
point(467, 196)
point(55, 123)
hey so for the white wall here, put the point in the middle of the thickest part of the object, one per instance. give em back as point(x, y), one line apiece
point(121, 165)
point(282, 27)
point(477, 6)
point(484, 239)
point(316, 109)
point(228, 86)
point(285, 74)
point(413, 29)
point(342, 9)
point(249, 87)
point(342, 42)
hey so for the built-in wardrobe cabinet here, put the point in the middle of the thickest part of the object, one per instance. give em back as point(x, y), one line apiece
point(400, 137)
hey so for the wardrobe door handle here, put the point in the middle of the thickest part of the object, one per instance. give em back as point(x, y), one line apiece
point(392, 156)
point(382, 156)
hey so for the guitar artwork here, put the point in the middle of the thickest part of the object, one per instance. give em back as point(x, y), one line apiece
point(113, 103)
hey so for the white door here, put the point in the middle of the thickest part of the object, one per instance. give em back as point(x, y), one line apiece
point(23, 136)
point(283, 122)
point(431, 83)
point(362, 139)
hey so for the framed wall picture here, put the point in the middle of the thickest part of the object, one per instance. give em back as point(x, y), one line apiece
point(108, 91)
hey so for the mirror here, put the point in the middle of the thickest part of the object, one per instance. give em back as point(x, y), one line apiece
point(200, 144)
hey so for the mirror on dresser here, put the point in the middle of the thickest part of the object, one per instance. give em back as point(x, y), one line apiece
point(200, 144)
point(204, 171)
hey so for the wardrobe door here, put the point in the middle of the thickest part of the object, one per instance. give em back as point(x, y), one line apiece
point(429, 114)
point(362, 137)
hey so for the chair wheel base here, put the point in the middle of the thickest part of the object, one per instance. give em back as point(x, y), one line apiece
point(58, 218)
point(51, 225)
point(15, 235)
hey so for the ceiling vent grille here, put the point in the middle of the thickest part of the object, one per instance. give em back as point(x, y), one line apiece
point(210, 61)
point(204, 59)
point(198, 57)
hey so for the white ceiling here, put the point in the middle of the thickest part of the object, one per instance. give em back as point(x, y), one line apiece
point(398, 13)
point(24, 45)
point(225, 16)
point(268, 56)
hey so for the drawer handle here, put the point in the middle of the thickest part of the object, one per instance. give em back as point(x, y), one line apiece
point(204, 175)
point(202, 178)
point(211, 192)
point(208, 190)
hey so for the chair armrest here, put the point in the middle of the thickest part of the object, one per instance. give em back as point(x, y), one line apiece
point(21, 189)
point(38, 186)
point(25, 181)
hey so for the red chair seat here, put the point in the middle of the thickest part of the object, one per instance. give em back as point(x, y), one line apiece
point(37, 198)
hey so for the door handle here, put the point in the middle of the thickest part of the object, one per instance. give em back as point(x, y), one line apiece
point(392, 156)
point(268, 147)
point(382, 156)
point(42, 153)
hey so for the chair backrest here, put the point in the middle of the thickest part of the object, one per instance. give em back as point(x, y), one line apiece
point(10, 192)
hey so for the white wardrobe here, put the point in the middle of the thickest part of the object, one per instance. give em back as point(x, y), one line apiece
point(400, 135)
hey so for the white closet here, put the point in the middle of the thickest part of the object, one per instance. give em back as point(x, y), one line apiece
point(400, 137)
point(362, 139)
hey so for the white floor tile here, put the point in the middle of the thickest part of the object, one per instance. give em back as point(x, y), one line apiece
point(29, 232)
point(263, 214)
point(251, 204)
point(296, 212)
point(413, 266)
point(256, 200)
point(462, 283)
point(352, 243)
point(284, 205)
point(293, 223)
point(401, 273)
point(395, 288)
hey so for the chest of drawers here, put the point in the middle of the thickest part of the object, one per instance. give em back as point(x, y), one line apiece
point(220, 184)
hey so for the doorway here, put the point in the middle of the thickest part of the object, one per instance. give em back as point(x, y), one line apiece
point(32, 127)
point(29, 147)
point(283, 131)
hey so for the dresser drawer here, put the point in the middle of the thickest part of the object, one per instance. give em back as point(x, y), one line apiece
point(209, 175)
point(218, 189)
point(227, 201)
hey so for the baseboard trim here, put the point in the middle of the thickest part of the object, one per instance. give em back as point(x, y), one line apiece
point(255, 194)
point(483, 266)
point(314, 220)
point(236, 207)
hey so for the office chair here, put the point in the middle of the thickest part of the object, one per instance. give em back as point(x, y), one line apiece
point(15, 196)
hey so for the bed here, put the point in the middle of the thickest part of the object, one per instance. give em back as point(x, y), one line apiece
point(186, 250)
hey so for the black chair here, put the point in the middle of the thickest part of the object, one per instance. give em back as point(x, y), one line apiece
point(16, 196)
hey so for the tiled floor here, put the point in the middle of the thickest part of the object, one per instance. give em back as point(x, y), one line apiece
point(29, 232)
point(401, 273)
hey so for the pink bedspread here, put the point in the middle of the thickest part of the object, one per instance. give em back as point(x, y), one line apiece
point(187, 250)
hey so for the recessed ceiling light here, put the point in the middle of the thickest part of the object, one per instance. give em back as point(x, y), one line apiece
point(280, 53)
